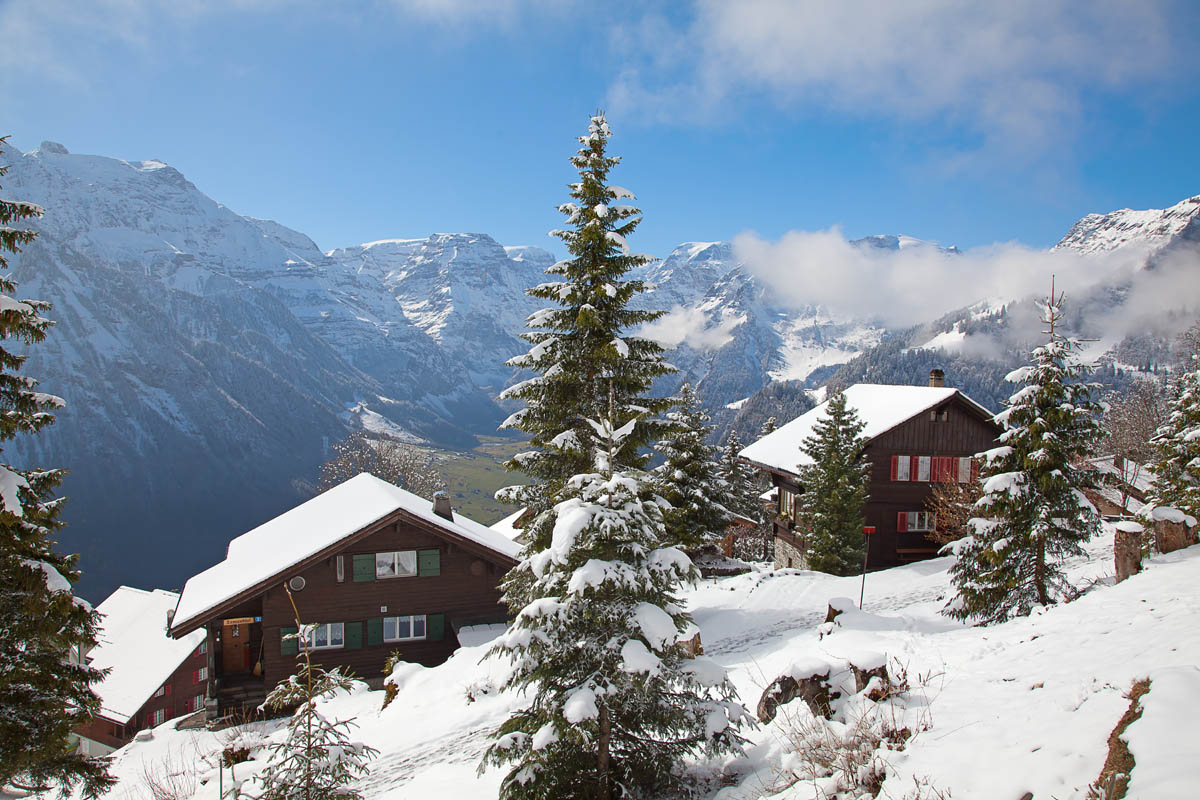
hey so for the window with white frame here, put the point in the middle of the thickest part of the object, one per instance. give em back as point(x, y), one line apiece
point(195, 703)
point(964, 470)
point(403, 629)
point(160, 692)
point(903, 468)
point(787, 503)
point(923, 463)
point(915, 521)
point(331, 634)
point(158, 717)
point(200, 675)
point(396, 564)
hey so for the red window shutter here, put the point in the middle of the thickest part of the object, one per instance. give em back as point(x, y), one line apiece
point(167, 688)
point(902, 521)
point(914, 468)
point(974, 468)
point(947, 469)
point(195, 676)
point(935, 469)
point(895, 460)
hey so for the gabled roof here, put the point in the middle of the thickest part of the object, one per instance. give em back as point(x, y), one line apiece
point(279, 545)
point(881, 406)
point(132, 641)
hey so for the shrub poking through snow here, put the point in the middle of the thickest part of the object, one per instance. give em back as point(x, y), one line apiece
point(616, 703)
point(316, 760)
point(43, 692)
point(1033, 513)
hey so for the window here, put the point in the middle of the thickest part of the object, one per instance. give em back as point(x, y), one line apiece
point(341, 570)
point(199, 675)
point(397, 564)
point(944, 468)
point(203, 648)
point(161, 691)
point(402, 629)
point(158, 717)
point(923, 463)
point(787, 503)
point(901, 468)
point(195, 703)
point(940, 415)
point(907, 521)
point(965, 470)
point(331, 634)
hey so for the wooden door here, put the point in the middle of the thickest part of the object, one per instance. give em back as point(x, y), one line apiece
point(235, 646)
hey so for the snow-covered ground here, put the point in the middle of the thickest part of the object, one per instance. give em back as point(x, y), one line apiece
point(996, 712)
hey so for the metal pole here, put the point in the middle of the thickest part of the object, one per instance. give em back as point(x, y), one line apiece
point(867, 531)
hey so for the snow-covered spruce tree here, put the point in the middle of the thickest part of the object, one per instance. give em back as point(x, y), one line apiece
point(742, 480)
point(1177, 442)
point(583, 352)
point(616, 703)
point(1033, 513)
point(43, 694)
point(316, 760)
point(690, 479)
point(833, 490)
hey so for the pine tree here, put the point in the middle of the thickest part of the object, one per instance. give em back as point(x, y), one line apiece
point(1033, 513)
point(690, 479)
point(44, 692)
point(1177, 446)
point(742, 480)
point(616, 704)
point(833, 491)
point(582, 348)
point(316, 760)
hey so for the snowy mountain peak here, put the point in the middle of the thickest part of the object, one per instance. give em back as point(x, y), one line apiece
point(52, 147)
point(1150, 228)
point(900, 242)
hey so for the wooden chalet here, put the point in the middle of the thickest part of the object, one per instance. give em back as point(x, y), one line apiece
point(379, 569)
point(916, 435)
point(153, 678)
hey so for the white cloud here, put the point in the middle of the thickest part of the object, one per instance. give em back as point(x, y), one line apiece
point(1013, 72)
point(917, 284)
point(691, 326)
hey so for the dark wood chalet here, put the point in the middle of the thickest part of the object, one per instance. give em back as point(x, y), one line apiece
point(380, 569)
point(916, 435)
point(152, 679)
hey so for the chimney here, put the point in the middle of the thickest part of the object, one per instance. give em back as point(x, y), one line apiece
point(937, 378)
point(441, 505)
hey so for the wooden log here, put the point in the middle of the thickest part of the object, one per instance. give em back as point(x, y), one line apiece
point(1127, 549)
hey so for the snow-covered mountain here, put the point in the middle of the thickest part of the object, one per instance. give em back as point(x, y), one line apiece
point(1151, 229)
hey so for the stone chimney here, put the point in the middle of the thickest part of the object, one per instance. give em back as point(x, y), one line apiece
point(937, 378)
point(441, 505)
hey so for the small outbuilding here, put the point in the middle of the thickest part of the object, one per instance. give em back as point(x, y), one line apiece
point(376, 568)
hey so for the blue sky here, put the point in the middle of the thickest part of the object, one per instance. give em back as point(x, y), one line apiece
point(968, 124)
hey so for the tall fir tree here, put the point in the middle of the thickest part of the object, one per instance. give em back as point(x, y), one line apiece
point(742, 480)
point(833, 491)
point(44, 690)
point(1177, 447)
point(1033, 514)
point(316, 760)
point(616, 701)
point(583, 351)
point(690, 479)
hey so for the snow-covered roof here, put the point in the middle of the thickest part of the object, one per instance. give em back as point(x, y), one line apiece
point(507, 527)
point(1138, 476)
point(881, 406)
point(132, 641)
point(310, 528)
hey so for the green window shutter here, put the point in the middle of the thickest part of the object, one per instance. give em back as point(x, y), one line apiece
point(353, 631)
point(288, 647)
point(364, 567)
point(435, 627)
point(429, 562)
point(375, 631)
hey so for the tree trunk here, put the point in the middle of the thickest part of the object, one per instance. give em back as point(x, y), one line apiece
point(1127, 553)
point(1039, 575)
point(603, 790)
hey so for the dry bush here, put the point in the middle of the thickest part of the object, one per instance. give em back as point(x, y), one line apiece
point(952, 504)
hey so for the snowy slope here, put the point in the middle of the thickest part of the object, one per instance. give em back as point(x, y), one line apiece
point(996, 712)
point(1151, 229)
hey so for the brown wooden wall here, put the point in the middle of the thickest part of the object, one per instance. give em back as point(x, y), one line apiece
point(463, 597)
point(963, 433)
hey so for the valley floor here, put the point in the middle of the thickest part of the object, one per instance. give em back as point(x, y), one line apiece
point(996, 712)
